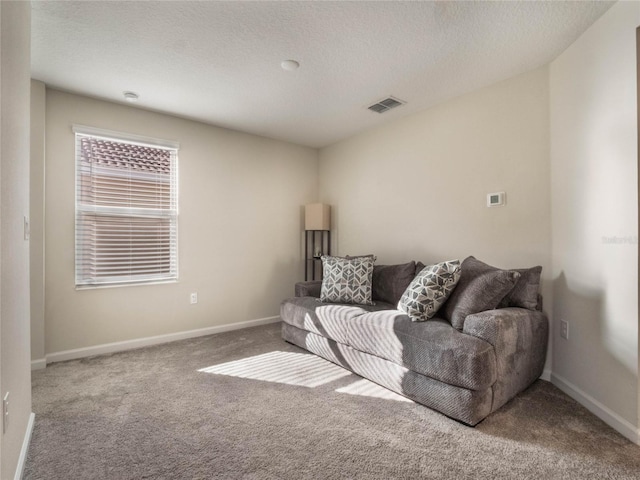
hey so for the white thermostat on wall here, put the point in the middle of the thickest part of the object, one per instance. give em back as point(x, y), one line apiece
point(495, 199)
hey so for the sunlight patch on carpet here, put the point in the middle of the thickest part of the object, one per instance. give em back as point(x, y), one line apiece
point(290, 368)
point(366, 388)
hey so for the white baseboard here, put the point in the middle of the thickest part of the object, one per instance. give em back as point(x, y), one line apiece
point(22, 460)
point(601, 411)
point(546, 375)
point(38, 364)
point(156, 340)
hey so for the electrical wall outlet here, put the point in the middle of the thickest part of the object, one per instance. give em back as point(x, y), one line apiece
point(564, 329)
point(194, 298)
point(5, 413)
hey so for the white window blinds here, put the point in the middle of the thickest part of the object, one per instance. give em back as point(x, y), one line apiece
point(126, 211)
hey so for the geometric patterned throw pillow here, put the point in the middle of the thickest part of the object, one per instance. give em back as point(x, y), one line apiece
point(429, 290)
point(347, 280)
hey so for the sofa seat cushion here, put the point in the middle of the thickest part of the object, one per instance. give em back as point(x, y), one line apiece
point(327, 319)
point(433, 348)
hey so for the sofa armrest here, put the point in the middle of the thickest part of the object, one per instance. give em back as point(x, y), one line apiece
point(309, 289)
point(519, 338)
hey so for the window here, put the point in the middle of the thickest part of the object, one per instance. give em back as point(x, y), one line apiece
point(126, 209)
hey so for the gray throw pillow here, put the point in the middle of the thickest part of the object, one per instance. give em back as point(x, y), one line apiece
point(347, 280)
point(429, 290)
point(390, 281)
point(481, 287)
point(525, 292)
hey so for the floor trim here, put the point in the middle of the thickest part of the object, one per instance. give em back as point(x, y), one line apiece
point(546, 375)
point(22, 460)
point(38, 364)
point(155, 340)
point(600, 410)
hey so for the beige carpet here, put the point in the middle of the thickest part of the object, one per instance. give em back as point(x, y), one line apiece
point(246, 405)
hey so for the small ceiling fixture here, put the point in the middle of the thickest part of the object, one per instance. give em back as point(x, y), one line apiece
point(130, 97)
point(290, 65)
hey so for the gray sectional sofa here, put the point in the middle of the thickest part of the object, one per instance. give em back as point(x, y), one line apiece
point(464, 373)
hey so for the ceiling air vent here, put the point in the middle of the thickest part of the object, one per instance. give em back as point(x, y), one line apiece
point(386, 104)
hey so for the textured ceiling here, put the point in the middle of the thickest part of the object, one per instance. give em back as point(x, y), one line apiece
point(219, 62)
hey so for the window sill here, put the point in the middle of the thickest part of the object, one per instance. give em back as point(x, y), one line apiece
point(117, 285)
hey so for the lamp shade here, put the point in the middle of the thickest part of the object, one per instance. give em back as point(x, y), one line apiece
point(317, 216)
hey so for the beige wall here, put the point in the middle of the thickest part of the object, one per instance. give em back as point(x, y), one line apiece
point(594, 197)
point(15, 373)
point(561, 136)
point(36, 198)
point(239, 228)
point(416, 188)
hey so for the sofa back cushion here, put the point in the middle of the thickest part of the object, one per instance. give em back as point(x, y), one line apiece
point(347, 280)
point(390, 281)
point(481, 287)
point(525, 292)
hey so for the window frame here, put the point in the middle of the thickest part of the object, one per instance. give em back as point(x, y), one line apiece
point(83, 282)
